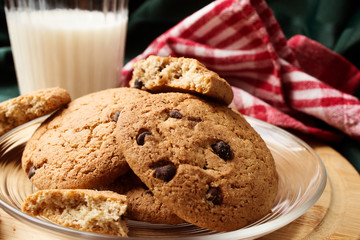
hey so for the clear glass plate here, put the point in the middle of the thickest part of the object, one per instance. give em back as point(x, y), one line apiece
point(302, 179)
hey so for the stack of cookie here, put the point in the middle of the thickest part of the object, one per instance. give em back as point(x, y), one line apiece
point(169, 143)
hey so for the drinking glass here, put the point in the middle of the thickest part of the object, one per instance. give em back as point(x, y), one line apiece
point(74, 44)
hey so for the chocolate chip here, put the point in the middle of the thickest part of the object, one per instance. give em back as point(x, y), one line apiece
point(31, 172)
point(214, 195)
point(115, 117)
point(138, 84)
point(165, 172)
point(223, 150)
point(175, 114)
point(195, 119)
point(144, 186)
point(149, 192)
point(140, 139)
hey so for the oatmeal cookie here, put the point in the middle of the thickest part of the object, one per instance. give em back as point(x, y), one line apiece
point(76, 147)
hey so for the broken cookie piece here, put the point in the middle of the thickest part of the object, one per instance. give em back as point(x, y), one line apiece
point(86, 210)
point(161, 74)
point(22, 109)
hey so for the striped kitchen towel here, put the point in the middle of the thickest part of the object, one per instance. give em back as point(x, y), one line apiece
point(296, 84)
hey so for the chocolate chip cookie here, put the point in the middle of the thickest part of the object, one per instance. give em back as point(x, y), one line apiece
point(142, 204)
point(199, 158)
point(22, 109)
point(159, 74)
point(76, 147)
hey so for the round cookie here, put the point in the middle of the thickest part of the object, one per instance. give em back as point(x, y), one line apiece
point(142, 204)
point(159, 74)
point(201, 159)
point(76, 147)
point(22, 109)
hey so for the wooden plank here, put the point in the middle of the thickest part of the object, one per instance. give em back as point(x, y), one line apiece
point(337, 213)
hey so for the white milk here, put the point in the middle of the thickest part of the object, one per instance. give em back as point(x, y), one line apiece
point(78, 50)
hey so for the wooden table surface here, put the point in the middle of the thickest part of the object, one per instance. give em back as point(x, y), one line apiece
point(336, 215)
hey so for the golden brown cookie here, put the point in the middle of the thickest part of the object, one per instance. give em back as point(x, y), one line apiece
point(22, 109)
point(159, 74)
point(76, 147)
point(142, 204)
point(86, 210)
point(200, 159)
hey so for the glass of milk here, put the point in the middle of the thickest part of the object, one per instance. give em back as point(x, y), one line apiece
point(75, 44)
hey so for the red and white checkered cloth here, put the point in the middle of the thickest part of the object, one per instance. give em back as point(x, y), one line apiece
point(292, 84)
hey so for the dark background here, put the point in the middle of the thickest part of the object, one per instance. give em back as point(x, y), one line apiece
point(334, 23)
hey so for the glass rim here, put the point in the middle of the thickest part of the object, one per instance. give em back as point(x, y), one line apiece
point(90, 5)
